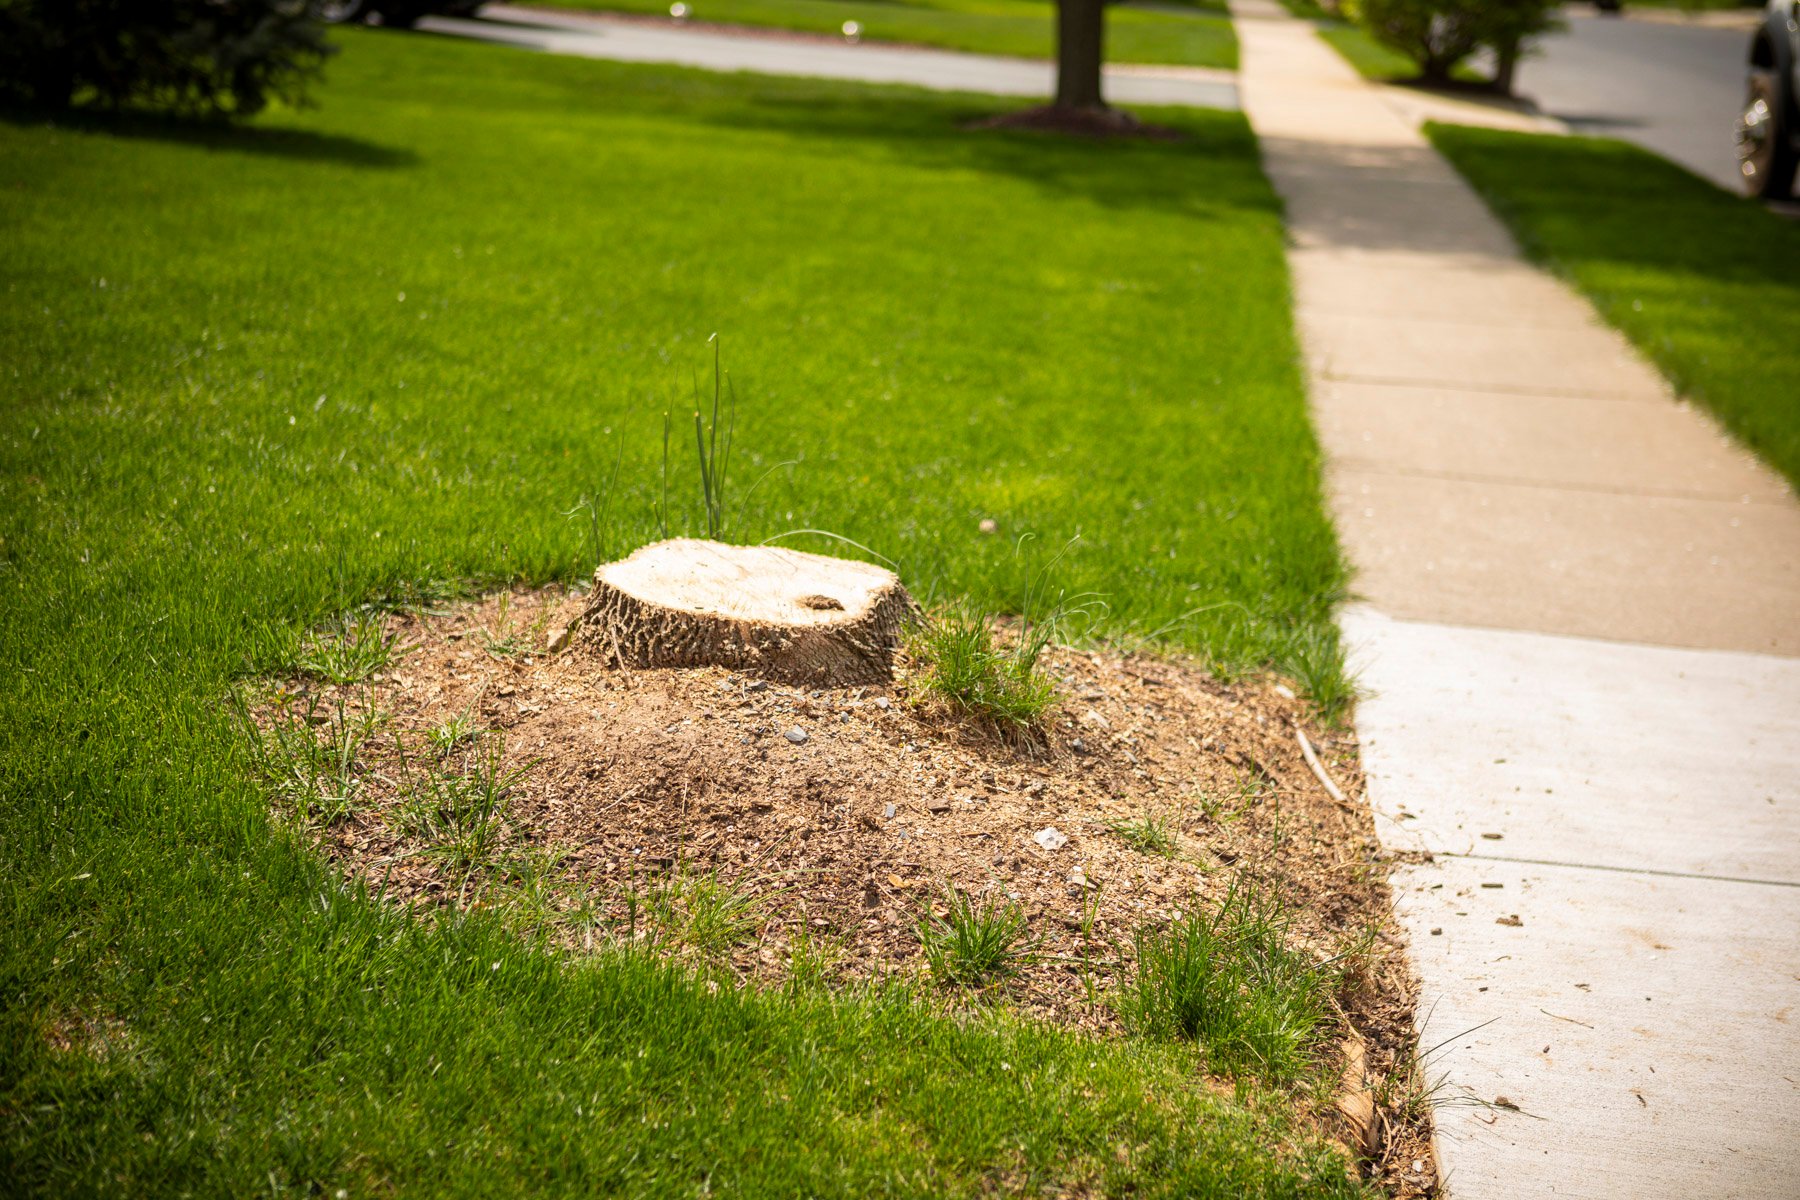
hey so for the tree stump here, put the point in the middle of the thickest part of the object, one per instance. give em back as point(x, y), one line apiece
point(783, 615)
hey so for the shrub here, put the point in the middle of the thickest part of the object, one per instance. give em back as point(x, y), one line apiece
point(1439, 34)
point(192, 57)
point(1509, 28)
point(1436, 34)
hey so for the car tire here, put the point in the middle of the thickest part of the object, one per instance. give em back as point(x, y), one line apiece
point(398, 16)
point(1765, 140)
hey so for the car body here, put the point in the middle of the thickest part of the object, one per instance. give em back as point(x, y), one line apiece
point(1768, 127)
point(402, 14)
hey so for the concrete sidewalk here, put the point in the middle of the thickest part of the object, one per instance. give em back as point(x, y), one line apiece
point(1581, 621)
point(775, 53)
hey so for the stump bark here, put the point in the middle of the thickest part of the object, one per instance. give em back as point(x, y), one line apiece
point(783, 615)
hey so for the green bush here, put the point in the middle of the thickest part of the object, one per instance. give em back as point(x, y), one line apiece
point(193, 57)
point(1509, 28)
point(1436, 34)
point(1439, 34)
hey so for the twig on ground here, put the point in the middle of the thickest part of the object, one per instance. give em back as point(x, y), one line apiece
point(1570, 1020)
point(1318, 768)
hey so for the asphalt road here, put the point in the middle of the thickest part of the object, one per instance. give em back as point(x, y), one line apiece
point(1674, 89)
point(774, 53)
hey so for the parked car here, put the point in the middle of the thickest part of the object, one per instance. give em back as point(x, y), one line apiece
point(1768, 130)
point(401, 14)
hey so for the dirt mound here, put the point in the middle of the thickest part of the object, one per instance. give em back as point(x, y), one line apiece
point(818, 827)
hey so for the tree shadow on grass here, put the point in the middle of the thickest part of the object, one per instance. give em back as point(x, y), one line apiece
point(1595, 200)
point(300, 145)
point(1211, 166)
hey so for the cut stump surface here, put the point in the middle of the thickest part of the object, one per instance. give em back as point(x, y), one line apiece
point(781, 614)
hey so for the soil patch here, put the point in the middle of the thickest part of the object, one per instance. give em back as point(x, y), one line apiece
point(833, 821)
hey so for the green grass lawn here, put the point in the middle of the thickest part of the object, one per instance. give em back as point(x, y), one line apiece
point(1371, 59)
point(381, 348)
point(1705, 283)
point(1026, 28)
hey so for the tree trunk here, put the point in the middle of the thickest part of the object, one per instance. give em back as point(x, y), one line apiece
point(1080, 35)
point(780, 614)
point(1506, 65)
point(1434, 71)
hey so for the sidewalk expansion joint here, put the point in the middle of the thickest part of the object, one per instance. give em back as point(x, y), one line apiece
point(1657, 871)
point(1497, 389)
point(1366, 466)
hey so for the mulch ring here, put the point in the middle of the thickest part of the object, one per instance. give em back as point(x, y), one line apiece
point(818, 827)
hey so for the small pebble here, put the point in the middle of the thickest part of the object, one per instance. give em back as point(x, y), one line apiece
point(757, 685)
point(796, 735)
point(1050, 838)
point(888, 812)
point(1078, 746)
point(881, 702)
point(989, 525)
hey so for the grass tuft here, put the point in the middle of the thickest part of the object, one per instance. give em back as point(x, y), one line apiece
point(976, 942)
point(448, 734)
point(1222, 808)
point(962, 664)
point(813, 960)
point(1148, 835)
point(348, 650)
point(707, 914)
point(1230, 982)
point(462, 816)
point(306, 751)
point(1315, 661)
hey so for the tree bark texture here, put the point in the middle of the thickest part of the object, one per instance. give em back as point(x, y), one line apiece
point(779, 614)
point(1080, 49)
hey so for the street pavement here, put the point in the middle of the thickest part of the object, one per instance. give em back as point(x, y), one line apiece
point(1674, 88)
point(823, 58)
point(1580, 635)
